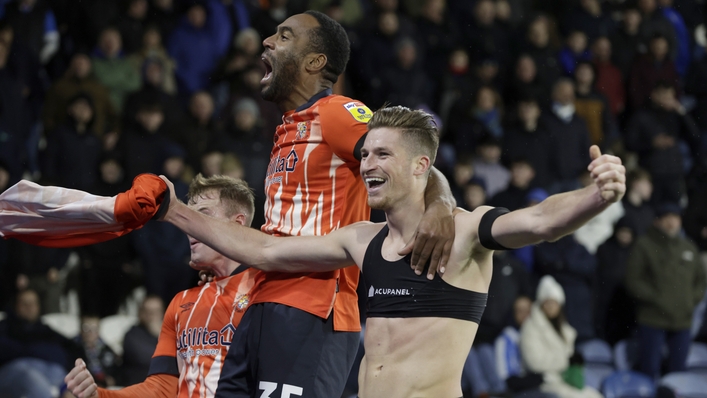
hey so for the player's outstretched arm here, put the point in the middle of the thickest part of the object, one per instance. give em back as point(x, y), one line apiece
point(262, 251)
point(564, 213)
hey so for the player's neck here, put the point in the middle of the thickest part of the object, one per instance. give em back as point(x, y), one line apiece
point(404, 218)
point(224, 268)
point(302, 93)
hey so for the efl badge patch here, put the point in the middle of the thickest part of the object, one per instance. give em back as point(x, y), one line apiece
point(302, 130)
point(242, 302)
point(359, 111)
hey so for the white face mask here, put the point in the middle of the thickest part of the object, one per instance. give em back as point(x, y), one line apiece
point(564, 112)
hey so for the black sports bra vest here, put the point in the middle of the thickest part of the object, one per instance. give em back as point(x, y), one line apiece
point(395, 291)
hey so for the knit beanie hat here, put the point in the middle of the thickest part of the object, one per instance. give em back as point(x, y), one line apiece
point(548, 288)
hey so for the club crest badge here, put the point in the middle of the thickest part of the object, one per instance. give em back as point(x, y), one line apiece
point(242, 302)
point(302, 130)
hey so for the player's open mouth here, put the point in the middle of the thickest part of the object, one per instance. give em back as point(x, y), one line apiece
point(268, 70)
point(374, 183)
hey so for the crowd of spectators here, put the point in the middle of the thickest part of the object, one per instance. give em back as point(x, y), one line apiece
point(94, 92)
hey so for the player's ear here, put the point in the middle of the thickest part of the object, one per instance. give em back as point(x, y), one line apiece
point(423, 165)
point(315, 62)
point(240, 218)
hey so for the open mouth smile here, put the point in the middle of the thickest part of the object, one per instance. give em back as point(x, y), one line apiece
point(374, 184)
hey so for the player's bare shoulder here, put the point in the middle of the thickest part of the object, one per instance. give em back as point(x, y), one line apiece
point(466, 225)
point(357, 236)
point(363, 232)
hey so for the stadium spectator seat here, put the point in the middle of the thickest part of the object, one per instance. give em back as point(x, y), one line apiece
point(595, 374)
point(67, 325)
point(625, 352)
point(697, 358)
point(686, 384)
point(113, 329)
point(628, 384)
point(599, 361)
point(597, 351)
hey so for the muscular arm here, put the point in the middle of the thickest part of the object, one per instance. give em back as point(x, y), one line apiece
point(267, 252)
point(158, 386)
point(438, 192)
point(560, 214)
point(551, 219)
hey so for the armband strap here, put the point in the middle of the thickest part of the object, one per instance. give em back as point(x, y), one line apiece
point(487, 220)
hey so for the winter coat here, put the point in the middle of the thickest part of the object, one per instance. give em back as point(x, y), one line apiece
point(545, 351)
point(665, 276)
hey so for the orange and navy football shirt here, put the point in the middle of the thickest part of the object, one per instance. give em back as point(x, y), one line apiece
point(197, 331)
point(313, 186)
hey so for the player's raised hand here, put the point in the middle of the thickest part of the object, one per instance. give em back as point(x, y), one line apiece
point(432, 241)
point(80, 382)
point(172, 197)
point(608, 173)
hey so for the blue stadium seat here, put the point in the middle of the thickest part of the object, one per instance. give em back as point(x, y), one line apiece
point(594, 374)
point(625, 352)
point(628, 384)
point(686, 384)
point(697, 357)
point(596, 351)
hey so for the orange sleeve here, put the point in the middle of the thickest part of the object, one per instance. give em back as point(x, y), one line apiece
point(58, 217)
point(167, 342)
point(141, 202)
point(344, 123)
point(155, 386)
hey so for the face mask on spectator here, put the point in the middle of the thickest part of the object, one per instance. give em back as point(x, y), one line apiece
point(564, 112)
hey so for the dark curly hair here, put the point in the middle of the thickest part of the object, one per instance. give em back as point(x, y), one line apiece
point(330, 39)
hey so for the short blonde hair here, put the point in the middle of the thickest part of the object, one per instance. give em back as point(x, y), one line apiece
point(235, 194)
point(418, 127)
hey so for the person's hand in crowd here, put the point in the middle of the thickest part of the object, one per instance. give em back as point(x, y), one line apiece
point(80, 382)
point(608, 173)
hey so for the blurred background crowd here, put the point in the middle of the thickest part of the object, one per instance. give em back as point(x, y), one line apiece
point(94, 92)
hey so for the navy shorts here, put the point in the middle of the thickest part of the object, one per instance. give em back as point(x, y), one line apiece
point(279, 352)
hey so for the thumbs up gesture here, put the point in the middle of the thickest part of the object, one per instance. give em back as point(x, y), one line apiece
point(608, 173)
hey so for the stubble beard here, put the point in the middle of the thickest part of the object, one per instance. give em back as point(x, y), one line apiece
point(283, 82)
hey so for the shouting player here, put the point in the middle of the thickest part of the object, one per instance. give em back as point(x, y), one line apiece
point(301, 333)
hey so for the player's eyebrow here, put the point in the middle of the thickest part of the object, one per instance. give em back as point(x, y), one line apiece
point(283, 29)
